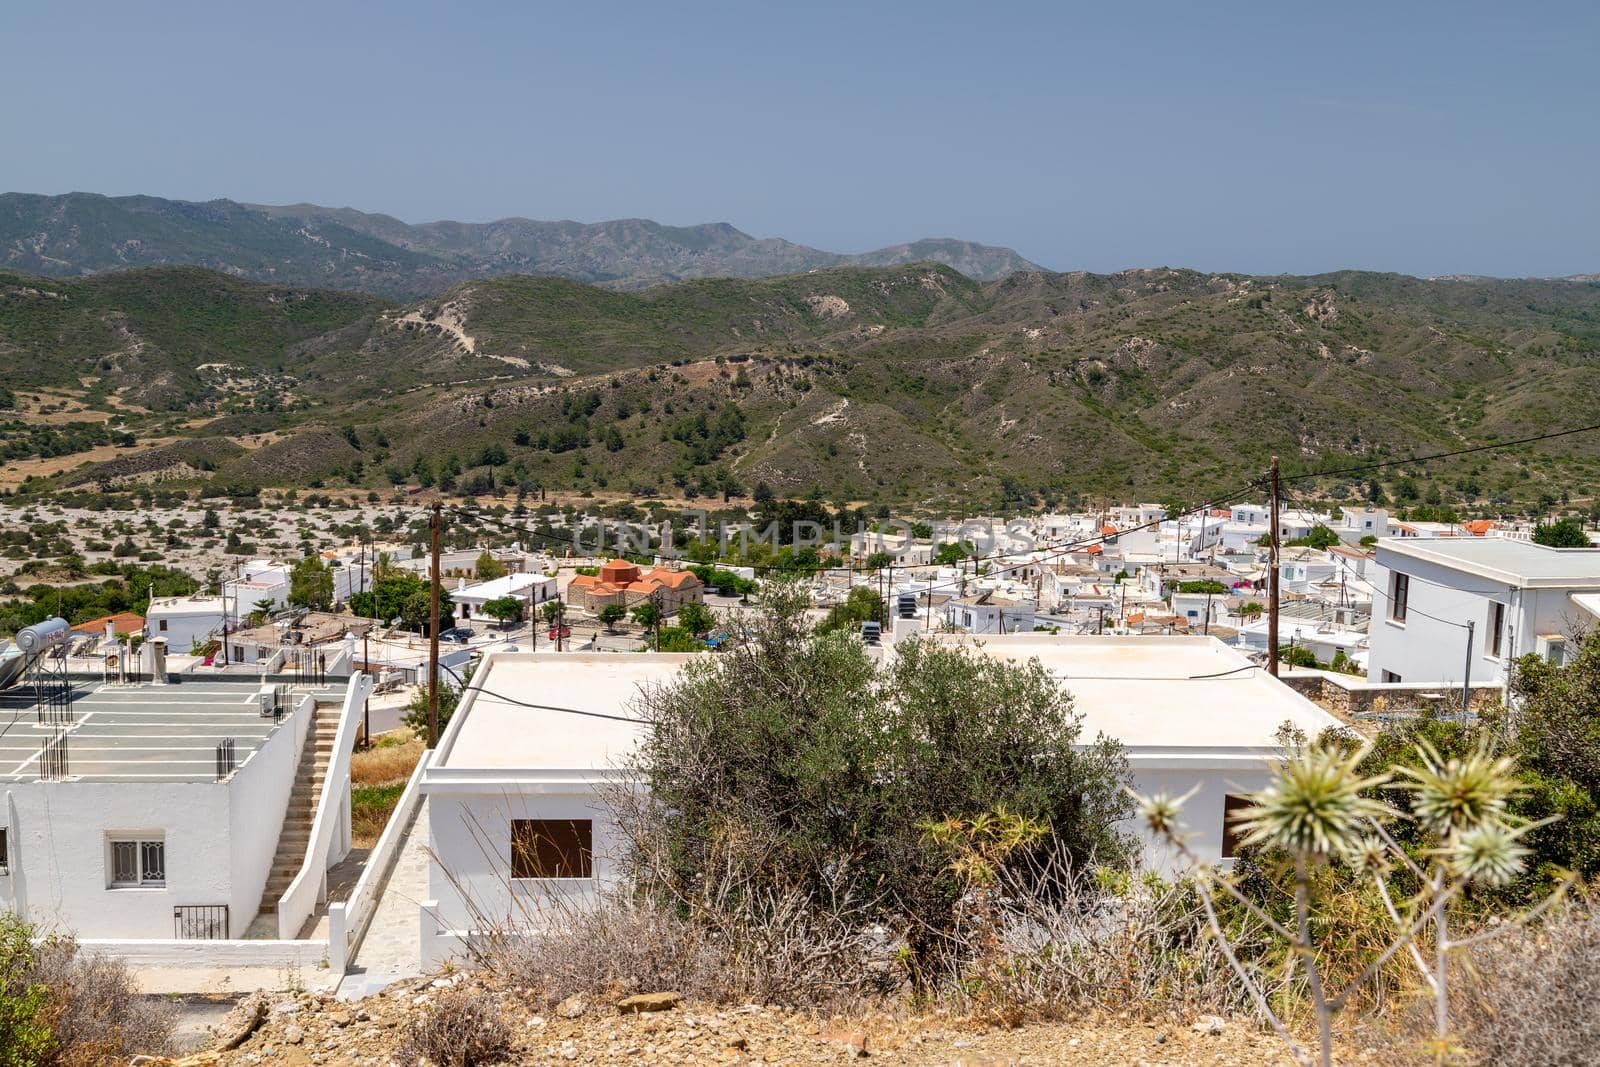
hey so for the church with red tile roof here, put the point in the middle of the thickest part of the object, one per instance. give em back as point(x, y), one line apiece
point(626, 584)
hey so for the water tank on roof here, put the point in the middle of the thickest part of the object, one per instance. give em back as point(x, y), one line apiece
point(42, 635)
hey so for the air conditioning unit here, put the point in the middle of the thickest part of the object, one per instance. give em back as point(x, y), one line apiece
point(273, 700)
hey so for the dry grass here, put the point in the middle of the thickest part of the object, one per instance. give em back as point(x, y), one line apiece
point(385, 764)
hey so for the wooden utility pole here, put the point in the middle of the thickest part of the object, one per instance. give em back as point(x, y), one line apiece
point(433, 631)
point(1272, 578)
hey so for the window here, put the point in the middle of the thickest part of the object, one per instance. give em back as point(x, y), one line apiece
point(1497, 626)
point(5, 852)
point(163, 625)
point(552, 848)
point(1391, 678)
point(1231, 807)
point(138, 862)
point(1399, 591)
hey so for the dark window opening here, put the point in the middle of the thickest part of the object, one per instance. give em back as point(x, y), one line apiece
point(1399, 591)
point(1231, 834)
point(552, 848)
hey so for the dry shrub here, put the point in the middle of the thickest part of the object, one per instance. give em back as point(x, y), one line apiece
point(93, 1011)
point(1528, 997)
point(761, 948)
point(385, 764)
point(1071, 940)
point(460, 1027)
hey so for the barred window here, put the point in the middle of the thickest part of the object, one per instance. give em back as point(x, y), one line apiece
point(138, 862)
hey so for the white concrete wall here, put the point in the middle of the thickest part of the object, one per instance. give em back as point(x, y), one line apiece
point(61, 866)
point(1431, 644)
point(184, 629)
point(1202, 813)
point(305, 956)
point(470, 836)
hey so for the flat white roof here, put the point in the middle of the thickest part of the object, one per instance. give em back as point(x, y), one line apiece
point(1503, 559)
point(178, 605)
point(507, 585)
point(495, 733)
point(1167, 692)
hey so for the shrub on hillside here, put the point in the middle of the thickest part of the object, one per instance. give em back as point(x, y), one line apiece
point(817, 768)
point(461, 1027)
point(60, 1007)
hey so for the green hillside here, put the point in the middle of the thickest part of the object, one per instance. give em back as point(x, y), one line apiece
point(905, 383)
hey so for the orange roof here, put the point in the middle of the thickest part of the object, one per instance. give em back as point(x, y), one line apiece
point(1093, 550)
point(123, 622)
point(1108, 529)
point(1478, 527)
point(1137, 616)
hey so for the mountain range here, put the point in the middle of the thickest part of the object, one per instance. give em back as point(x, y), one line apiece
point(908, 383)
point(342, 248)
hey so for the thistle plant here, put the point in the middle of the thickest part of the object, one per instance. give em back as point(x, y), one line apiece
point(1318, 809)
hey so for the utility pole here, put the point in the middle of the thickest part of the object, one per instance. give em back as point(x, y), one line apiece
point(366, 661)
point(1272, 579)
point(1206, 630)
point(1466, 675)
point(433, 631)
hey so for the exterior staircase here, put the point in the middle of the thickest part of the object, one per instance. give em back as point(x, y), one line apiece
point(295, 837)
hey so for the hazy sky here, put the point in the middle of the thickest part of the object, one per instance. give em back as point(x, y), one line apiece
point(1425, 138)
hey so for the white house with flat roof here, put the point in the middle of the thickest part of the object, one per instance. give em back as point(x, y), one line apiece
point(159, 812)
point(530, 589)
point(1517, 596)
point(515, 793)
point(1192, 714)
point(185, 620)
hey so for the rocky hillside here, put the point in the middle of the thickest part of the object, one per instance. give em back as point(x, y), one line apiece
point(910, 383)
point(341, 248)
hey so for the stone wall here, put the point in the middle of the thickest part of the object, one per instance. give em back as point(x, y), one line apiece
point(1349, 696)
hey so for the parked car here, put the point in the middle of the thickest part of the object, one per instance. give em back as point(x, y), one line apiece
point(456, 634)
point(560, 631)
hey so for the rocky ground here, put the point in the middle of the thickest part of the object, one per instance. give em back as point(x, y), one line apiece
point(304, 1029)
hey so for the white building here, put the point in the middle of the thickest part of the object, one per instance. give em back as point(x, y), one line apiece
point(530, 589)
point(1191, 712)
point(515, 794)
point(185, 620)
point(986, 613)
point(157, 813)
point(1519, 597)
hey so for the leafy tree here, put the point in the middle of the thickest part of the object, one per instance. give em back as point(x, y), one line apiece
point(860, 605)
point(876, 561)
point(646, 613)
point(952, 552)
point(311, 584)
point(612, 614)
point(696, 618)
point(1565, 533)
point(507, 609)
point(416, 713)
point(805, 763)
point(553, 610)
point(1320, 537)
point(488, 568)
point(26, 1038)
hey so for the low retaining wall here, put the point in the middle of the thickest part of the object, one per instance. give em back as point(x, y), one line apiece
point(1350, 696)
point(305, 955)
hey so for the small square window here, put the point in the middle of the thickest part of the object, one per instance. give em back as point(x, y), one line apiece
point(138, 862)
point(552, 848)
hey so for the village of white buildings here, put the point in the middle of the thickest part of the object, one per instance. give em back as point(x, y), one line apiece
point(178, 781)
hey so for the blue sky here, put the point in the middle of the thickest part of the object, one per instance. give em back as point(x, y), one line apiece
point(1423, 138)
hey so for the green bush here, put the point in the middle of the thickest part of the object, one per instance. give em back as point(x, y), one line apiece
point(801, 758)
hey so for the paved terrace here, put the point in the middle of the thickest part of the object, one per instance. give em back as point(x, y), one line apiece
point(138, 733)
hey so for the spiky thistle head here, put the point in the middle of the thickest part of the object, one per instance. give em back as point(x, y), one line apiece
point(1162, 812)
point(1371, 856)
point(1488, 852)
point(1314, 806)
point(1451, 796)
